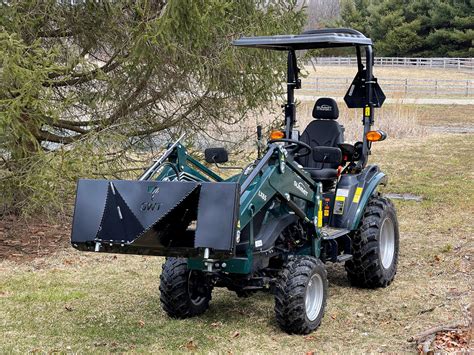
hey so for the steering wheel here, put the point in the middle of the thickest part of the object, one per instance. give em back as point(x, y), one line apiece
point(294, 146)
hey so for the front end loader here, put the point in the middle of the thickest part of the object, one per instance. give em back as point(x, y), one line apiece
point(308, 199)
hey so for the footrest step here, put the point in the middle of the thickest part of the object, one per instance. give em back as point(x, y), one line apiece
point(344, 257)
point(333, 233)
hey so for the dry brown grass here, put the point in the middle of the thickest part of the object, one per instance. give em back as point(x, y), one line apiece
point(398, 120)
point(447, 115)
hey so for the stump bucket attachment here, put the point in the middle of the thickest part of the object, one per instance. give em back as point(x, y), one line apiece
point(155, 217)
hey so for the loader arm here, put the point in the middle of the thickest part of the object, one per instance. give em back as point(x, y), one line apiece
point(183, 213)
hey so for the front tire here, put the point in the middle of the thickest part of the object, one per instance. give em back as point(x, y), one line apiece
point(375, 246)
point(184, 293)
point(300, 295)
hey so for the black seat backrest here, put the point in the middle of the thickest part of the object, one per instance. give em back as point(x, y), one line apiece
point(324, 131)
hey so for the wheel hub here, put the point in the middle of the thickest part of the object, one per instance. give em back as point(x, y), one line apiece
point(314, 297)
point(387, 243)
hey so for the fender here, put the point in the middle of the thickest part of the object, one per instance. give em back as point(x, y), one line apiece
point(370, 186)
point(352, 195)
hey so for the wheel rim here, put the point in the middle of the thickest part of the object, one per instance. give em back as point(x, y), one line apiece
point(195, 290)
point(387, 243)
point(314, 297)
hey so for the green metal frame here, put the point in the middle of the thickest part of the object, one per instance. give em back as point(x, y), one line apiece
point(185, 163)
point(277, 176)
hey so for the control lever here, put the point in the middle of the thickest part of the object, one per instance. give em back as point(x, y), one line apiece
point(259, 141)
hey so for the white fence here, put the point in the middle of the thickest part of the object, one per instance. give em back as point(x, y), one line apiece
point(412, 87)
point(440, 63)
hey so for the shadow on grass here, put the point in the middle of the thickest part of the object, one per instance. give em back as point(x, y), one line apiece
point(337, 275)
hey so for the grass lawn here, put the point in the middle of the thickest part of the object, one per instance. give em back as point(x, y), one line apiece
point(79, 302)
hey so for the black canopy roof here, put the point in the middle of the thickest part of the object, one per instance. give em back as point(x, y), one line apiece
point(324, 38)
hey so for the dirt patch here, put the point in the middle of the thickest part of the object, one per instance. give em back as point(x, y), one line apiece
point(453, 129)
point(405, 197)
point(23, 240)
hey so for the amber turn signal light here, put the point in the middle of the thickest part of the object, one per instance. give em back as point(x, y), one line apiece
point(376, 136)
point(277, 135)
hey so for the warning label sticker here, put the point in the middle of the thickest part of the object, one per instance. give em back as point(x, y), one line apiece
point(367, 111)
point(357, 194)
point(342, 192)
point(320, 214)
point(339, 205)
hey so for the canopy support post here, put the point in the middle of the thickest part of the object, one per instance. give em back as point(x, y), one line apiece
point(293, 82)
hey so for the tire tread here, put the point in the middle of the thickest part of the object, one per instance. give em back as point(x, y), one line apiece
point(365, 269)
point(290, 291)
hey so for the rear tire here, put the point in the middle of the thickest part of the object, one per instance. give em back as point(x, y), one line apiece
point(300, 295)
point(375, 246)
point(184, 293)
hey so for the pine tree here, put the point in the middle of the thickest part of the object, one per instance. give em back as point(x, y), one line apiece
point(414, 27)
point(85, 82)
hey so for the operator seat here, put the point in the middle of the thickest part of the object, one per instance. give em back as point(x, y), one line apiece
point(323, 134)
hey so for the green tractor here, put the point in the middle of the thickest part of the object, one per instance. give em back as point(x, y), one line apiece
point(308, 199)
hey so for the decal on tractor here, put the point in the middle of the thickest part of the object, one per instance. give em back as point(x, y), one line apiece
point(324, 108)
point(339, 205)
point(300, 186)
point(357, 194)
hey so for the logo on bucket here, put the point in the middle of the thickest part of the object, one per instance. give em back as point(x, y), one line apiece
point(151, 206)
